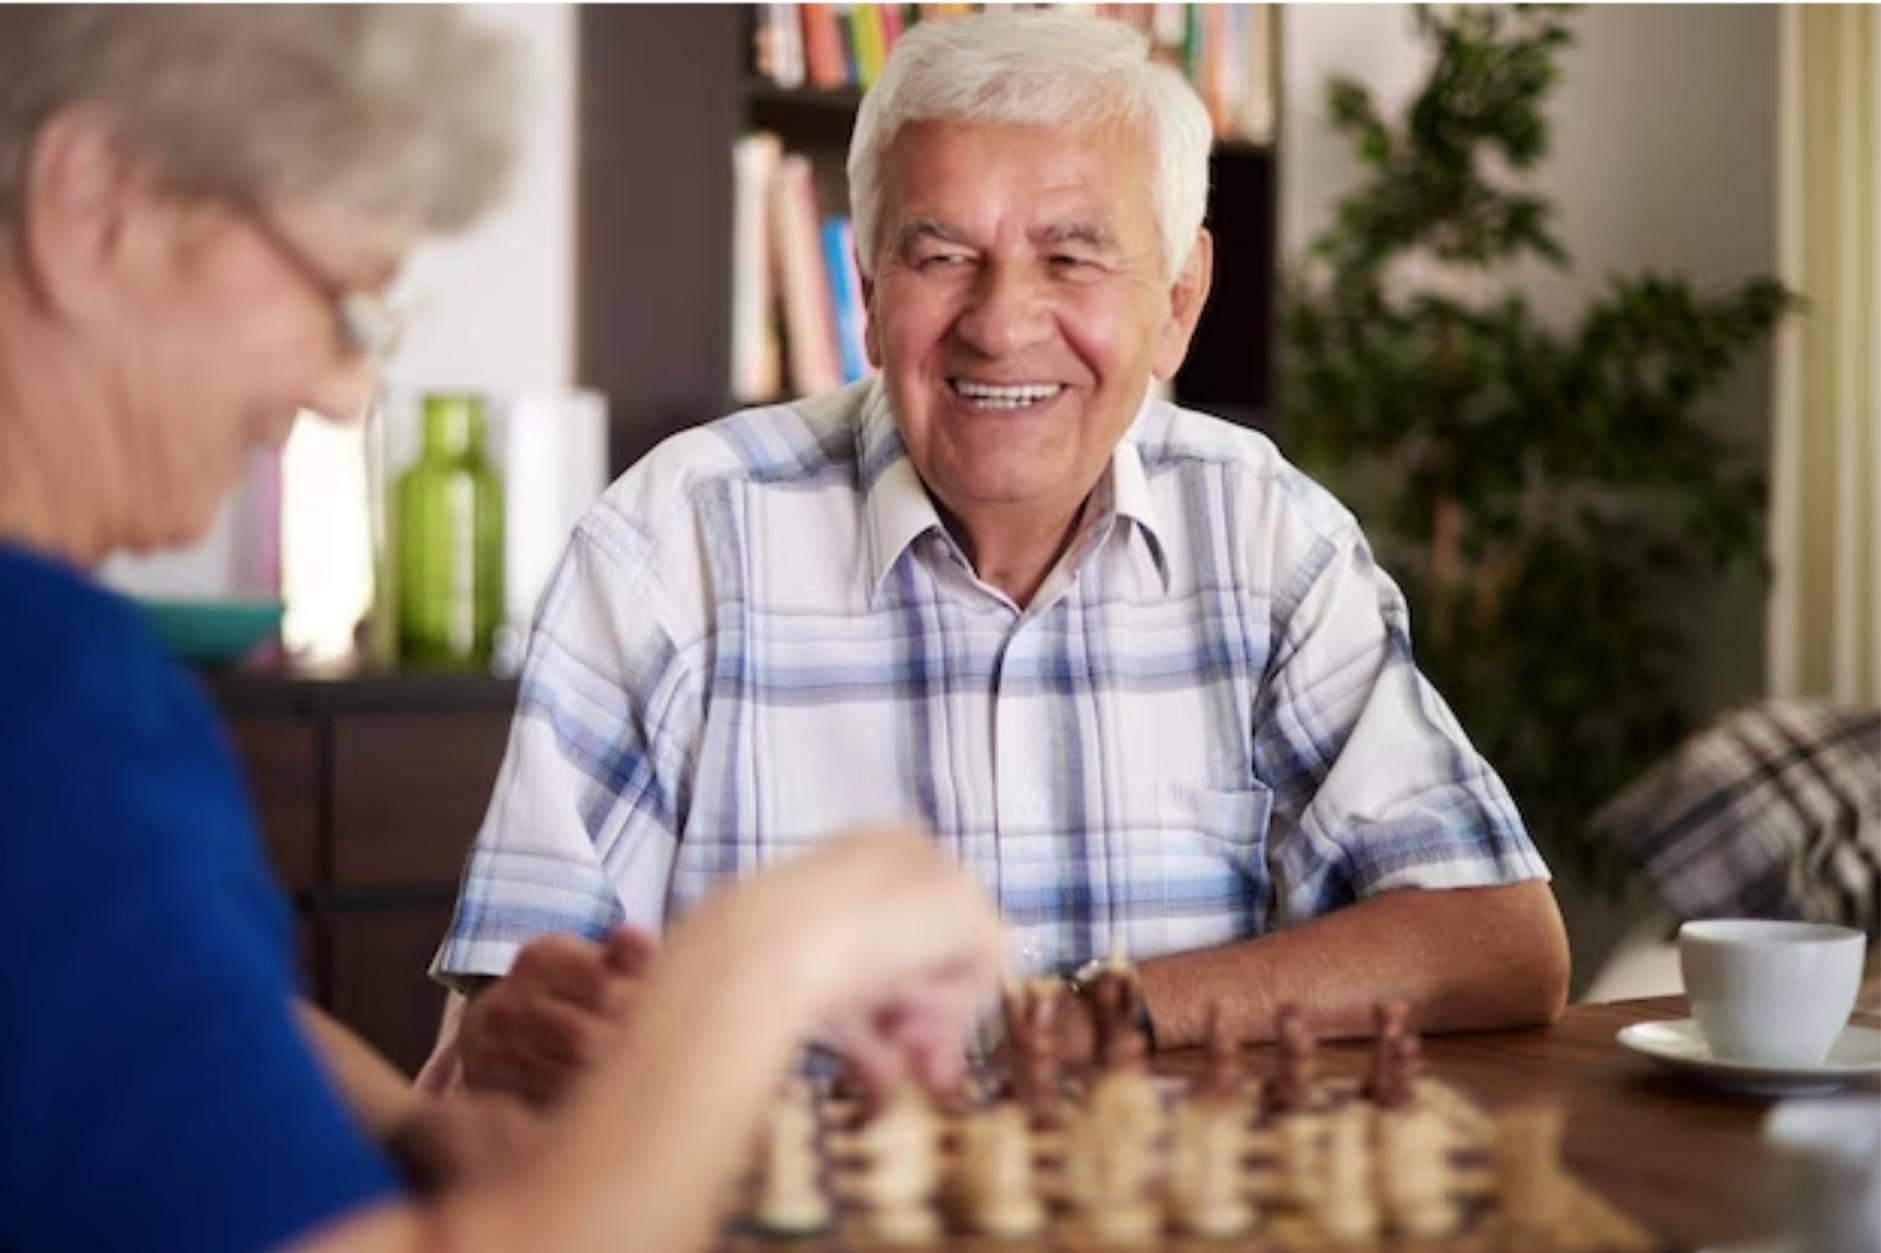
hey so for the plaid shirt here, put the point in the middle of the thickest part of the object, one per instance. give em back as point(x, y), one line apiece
point(1205, 725)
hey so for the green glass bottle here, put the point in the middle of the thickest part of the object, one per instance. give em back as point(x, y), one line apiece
point(450, 542)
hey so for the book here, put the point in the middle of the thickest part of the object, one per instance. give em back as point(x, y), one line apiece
point(871, 43)
point(756, 366)
point(809, 320)
point(845, 287)
point(822, 46)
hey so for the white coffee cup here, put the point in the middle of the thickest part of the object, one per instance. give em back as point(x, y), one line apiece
point(1772, 993)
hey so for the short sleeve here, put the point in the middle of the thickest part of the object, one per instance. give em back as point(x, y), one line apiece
point(1376, 785)
point(588, 807)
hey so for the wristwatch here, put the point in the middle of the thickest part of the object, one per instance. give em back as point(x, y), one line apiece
point(1078, 984)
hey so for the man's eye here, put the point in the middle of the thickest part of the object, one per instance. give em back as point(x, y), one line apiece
point(941, 261)
point(1066, 261)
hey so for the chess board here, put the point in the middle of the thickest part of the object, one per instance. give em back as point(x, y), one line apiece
point(1584, 1223)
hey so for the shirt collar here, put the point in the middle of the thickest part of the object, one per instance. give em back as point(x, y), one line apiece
point(900, 511)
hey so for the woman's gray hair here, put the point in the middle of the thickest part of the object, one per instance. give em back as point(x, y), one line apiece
point(390, 111)
point(1055, 69)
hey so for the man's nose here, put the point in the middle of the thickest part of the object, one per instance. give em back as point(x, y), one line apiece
point(1007, 312)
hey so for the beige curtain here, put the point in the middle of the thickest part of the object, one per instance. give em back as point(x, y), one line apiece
point(1825, 616)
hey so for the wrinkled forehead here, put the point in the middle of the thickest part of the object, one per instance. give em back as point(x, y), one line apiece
point(1079, 180)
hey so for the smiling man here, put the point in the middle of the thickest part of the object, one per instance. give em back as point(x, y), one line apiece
point(1123, 659)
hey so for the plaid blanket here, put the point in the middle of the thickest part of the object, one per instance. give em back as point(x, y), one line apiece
point(1772, 812)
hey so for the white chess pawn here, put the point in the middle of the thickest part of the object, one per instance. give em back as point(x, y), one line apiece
point(790, 1199)
point(1348, 1207)
point(1110, 1160)
point(898, 1185)
point(998, 1193)
point(1302, 1137)
point(1414, 1175)
point(1206, 1197)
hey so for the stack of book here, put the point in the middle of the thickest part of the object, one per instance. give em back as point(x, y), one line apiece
point(796, 295)
point(1225, 50)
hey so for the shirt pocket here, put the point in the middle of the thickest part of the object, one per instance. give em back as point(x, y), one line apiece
point(1220, 820)
point(1202, 878)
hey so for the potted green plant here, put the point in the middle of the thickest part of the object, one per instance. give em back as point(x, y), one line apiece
point(1538, 491)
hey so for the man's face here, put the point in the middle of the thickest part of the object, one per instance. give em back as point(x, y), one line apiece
point(1018, 310)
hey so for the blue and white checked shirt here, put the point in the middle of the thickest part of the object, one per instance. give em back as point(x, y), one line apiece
point(1207, 723)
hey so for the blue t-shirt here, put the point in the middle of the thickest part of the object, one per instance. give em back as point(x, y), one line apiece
point(155, 1089)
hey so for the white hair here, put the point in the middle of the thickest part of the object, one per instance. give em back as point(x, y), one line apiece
point(1053, 69)
point(387, 110)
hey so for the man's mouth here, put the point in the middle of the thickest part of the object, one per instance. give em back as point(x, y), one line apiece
point(1004, 396)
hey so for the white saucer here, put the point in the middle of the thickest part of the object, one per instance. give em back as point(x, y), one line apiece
point(1856, 1054)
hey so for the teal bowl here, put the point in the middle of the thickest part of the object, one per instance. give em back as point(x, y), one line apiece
point(213, 632)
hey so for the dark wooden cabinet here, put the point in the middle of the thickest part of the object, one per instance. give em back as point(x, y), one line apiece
point(368, 792)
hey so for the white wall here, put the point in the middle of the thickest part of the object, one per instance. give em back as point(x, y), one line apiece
point(498, 303)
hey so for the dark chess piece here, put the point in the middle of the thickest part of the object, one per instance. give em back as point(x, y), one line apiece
point(1397, 1057)
point(1116, 1002)
point(1222, 1073)
point(1032, 1045)
point(1298, 1060)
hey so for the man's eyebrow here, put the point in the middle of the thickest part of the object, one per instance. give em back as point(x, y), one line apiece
point(927, 228)
point(1089, 233)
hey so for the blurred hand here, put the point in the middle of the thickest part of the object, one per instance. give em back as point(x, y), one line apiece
point(558, 1011)
point(465, 1136)
point(895, 947)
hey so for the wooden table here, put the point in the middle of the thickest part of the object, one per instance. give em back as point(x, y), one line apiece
point(1687, 1161)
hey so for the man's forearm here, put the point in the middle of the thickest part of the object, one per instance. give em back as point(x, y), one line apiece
point(1463, 958)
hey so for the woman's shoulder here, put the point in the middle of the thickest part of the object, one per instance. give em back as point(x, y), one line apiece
point(81, 671)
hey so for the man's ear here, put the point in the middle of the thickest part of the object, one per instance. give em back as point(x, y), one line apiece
point(78, 192)
point(871, 337)
point(1187, 294)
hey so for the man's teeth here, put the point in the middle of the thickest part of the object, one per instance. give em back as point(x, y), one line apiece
point(1013, 396)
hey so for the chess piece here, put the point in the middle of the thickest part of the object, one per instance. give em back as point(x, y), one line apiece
point(1347, 1208)
point(1397, 1057)
point(1414, 1173)
point(1032, 1046)
point(901, 1144)
point(1384, 1085)
point(1116, 1000)
point(790, 1199)
point(1222, 1074)
point(1206, 1195)
point(1302, 1145)
point(1298, 1060)
point(1531, 1188)
point(1110, 1160)
point(997, 1191)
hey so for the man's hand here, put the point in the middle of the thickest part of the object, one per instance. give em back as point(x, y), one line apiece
point(557, 1012)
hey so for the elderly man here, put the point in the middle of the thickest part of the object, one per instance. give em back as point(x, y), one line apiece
point(1125, 661)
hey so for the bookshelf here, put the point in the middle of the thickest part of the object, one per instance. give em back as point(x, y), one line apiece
point(665, 92)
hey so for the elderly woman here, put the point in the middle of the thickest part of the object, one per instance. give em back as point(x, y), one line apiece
point(198, 209)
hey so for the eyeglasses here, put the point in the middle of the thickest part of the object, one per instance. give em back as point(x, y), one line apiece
point(369, 323)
